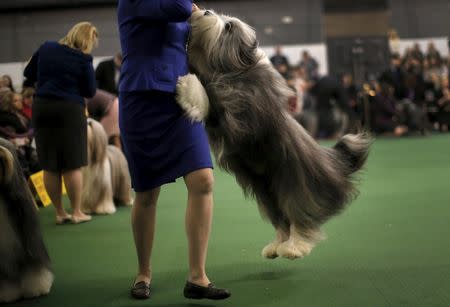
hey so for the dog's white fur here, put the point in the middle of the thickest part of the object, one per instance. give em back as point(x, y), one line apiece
point(193, 97)
point(106, 177)
point(21, 243)
point(235, 90)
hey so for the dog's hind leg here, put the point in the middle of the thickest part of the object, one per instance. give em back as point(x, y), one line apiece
point(192, 97)
point(106, 203)
point(299, 244)
point(270, 250)
point(281, 225)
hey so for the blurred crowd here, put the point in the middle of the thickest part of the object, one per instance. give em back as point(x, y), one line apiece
point(411, 97)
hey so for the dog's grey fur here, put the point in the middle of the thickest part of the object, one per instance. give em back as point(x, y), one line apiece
point(25, 268)
point(297, 183)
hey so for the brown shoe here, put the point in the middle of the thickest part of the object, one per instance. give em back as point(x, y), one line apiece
point(141, 290)
point(197, 292)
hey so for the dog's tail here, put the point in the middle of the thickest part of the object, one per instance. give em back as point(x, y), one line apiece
point(6, 165)
point(325, 178)
point(353, 150)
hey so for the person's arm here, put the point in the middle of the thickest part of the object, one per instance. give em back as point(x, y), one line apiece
point(88, 84)
point(163, 10)
point(12, 120)
point(99, 74)
point(31, 69)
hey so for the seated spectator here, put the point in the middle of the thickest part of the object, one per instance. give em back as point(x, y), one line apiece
point(433, 92)
point(417, 52)
point(284, 71)
point(332, 107)
point(104, 108)
point(107, 74)
point(395, 76)
point(14, 128)
point(387, 118)
point(6, 81)
point(310, 64)
point(443, 103)
point(10, 116)
point(279, 58)
point(293, 103)
point(433, 53)
point(351, 91)
point(27, 99)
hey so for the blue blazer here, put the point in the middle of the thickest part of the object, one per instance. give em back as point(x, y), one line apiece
point(61, 72)
point(153, 37)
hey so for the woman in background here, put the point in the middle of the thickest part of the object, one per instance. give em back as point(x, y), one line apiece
point(64, 74)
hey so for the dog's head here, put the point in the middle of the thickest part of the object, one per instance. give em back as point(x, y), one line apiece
point(6, 165)
point(220, 43)
point(97, 142)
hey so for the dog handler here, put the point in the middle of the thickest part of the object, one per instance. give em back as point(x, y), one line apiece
point(160, 143)
point(64, 74)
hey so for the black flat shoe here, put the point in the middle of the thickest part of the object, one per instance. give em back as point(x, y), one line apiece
point(197, 292)
point(141, 290)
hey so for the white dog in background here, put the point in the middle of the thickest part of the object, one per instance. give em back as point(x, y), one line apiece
point(24, 262)
point(235, 90)
point(106, 178)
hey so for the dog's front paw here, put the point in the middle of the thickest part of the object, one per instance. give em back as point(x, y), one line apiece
point(107, 207)
point(270, 250)
point(192, 97)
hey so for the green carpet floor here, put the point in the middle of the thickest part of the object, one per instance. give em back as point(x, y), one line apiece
point(390, 248)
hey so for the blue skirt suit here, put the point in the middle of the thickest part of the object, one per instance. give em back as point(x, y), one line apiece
point(159, 141)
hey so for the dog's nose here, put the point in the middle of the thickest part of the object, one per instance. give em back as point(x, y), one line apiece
point(207, 13)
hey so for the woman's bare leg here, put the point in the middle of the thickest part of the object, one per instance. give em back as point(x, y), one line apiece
point(143, 223)
point(52, 183)
point(198, 222)
point(73, 180)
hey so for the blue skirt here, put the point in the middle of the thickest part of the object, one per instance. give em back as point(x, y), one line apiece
point(161, 144)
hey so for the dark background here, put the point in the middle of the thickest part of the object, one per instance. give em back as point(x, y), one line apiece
point(25, 24)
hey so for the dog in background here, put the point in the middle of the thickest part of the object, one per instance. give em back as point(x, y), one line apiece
point(298, 184)
point(24, 262)
point(106, 179)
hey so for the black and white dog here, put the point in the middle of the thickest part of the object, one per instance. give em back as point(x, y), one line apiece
point(235, 90)
point(24, 263)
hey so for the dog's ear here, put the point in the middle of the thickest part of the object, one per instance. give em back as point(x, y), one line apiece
point(97, 142)
point(229, 26)
point(248, 54)
point(6, 165)
point(239, 46)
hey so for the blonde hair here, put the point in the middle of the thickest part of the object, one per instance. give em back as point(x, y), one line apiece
point(83, 36)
